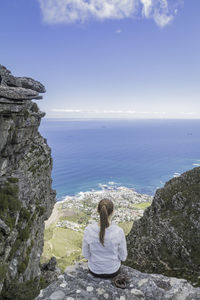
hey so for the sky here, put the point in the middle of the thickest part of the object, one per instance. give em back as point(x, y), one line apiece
point(106, 58)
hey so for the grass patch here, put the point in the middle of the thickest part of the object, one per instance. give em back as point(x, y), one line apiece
point(126, 226)
point(79, 217)
point(141, 205)
point(64, 244)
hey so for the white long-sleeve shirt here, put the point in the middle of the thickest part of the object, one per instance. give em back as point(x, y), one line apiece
point(104, 259)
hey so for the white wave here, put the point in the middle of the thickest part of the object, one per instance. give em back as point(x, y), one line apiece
point(176, 174)
point(112, 182)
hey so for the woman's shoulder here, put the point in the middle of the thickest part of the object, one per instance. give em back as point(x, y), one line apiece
point(92, 226)
point(116, 228)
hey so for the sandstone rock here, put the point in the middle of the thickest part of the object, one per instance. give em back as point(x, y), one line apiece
point(79, 284)
point(26, 195)
point(17, 93)
point(19, 88)
point(29, 83)
point(166, 239)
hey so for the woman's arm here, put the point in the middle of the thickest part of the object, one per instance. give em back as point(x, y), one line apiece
point(122, 247)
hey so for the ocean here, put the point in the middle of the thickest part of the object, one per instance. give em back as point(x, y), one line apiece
point(138, 154)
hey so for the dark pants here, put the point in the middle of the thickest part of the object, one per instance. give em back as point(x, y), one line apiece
point(105, 275)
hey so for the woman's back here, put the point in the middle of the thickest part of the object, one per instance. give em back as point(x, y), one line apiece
point(104, 259)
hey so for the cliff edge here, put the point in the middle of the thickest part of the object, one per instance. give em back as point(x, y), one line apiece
point(77, 283)
point(26, 196)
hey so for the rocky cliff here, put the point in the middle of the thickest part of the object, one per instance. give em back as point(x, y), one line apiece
point(26, 196)
point(166, 239)
point(77, 283)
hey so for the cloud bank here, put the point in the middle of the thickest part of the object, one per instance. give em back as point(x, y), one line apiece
point(112, 113)
point(71, 11)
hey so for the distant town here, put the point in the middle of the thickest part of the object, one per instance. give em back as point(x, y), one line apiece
point(129, 205)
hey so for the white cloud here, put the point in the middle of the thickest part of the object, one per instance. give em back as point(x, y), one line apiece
point(120, 113)
point(118, 31)
point(147, 7)
point(109, 111)
point(66, 110)
point(70, 11)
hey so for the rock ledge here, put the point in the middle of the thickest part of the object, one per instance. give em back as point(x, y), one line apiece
point(77, 283)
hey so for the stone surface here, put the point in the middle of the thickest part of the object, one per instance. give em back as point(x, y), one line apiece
point(166, 239)
point(19, 88)
point(50, 265)
point(80, 284)
point(4, 228)
point(26, 195)
point(49, 270)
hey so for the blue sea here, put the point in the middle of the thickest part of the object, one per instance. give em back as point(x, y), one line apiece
point(139, 154)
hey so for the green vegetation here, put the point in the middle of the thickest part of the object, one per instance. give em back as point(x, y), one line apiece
point(77, 216)
point(22, 267)
point(141, 205)
point(14, 248)
point(3, 271)
point(126, 226)
point(64, 244)
point(9, 197)
point(24, 214)
point(22, 291)
point(23, 234)
point(13, 180)
point(9, 203)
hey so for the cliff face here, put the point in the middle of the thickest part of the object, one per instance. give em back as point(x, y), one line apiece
point(166, 239)
point(26, 196)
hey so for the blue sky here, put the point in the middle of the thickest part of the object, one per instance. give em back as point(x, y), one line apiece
point(108, 58)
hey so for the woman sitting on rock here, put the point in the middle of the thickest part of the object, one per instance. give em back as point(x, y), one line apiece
point(104, 244)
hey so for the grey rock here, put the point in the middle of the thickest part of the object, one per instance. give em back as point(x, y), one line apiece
point(49, 270)
point(58, 295)
point(166, 239)
point(26, 187)
point(78, 283)
point(50, 265)
point(19, 88)
point(17, 93)
point(4, 228)
point(29, 83)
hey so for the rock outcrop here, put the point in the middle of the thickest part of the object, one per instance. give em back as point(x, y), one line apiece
point(166, 239)
point(19, 88)
point(77, 283)
point(26, 196)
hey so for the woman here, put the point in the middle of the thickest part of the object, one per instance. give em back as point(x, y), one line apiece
point(104, 244)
